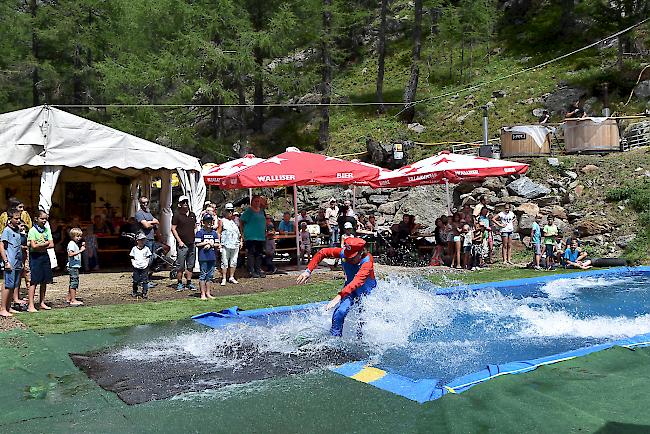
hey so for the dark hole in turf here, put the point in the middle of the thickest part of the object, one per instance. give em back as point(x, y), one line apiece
point(137, 381)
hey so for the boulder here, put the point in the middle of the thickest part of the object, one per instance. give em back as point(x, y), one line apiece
point(642, 90)
point(469, 200)
point(381, 154)
point(461, 119)
point(525, 187)
point(554, 162)
point(528, 208)
point(427, 203)
point(388, 208)
point(494, 183)
point(514, 200)
point(398, 195)
point(271, 125)
point(556, 211)
point(548, 201)
point(498, 94)
point(571, 174)
point(592, 226)
point(526, 223)
point(624, 240)
point(638, 130)
point(378, 199)
point(594, 240)
point(589, 168)
point(558, 101)
point(367, 208)
point(416, 127)
point(480, 191)
point(465, 187)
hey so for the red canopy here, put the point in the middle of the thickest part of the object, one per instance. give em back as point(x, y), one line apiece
point(295, 167)
point(448, 167)
point(214, 174)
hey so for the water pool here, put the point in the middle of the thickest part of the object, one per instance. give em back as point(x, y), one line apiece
point(422, 341)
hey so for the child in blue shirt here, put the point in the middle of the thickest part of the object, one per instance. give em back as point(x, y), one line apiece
point(206, 241)
point(11, 251)
point(575, 258)
point(74, 264)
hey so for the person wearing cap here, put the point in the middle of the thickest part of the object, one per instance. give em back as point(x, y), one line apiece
point(140, 258)
point(359, 268)
point(207, 241)
point(147, 224)
point(348, 232)
point(183, 228)
point(332, 215)
point(231, 242)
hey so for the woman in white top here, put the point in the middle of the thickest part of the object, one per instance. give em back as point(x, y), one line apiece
point(505, 220)
point(230, 238)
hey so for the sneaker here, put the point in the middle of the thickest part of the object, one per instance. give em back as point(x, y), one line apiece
point(179, 287)
point(134, 294)
point(152, 284)
point(261, 274)
point(223, 282)
point(231, 280)
point(254, 275)
point(145, 296)
point(191, 287)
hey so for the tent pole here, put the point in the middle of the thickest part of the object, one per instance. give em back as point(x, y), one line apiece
point(250, 195)
point(354, 198)
point(295, 222)
point(448, 198)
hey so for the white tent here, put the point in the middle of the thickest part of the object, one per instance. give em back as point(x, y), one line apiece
point(50, 139)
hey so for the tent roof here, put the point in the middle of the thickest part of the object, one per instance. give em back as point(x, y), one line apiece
point(47, 136)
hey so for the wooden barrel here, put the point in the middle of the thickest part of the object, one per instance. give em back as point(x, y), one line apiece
point(585, 135)
point(521, 144)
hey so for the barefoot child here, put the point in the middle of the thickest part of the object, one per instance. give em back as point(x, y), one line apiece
point(206, 239)
point(305, 243)
point(74, 264)
point(39, 239)
point(140, 256)
point(12, 256)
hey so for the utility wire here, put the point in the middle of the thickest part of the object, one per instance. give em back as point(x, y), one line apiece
point(362, 104)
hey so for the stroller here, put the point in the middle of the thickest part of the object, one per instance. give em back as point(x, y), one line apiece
point(160, 259)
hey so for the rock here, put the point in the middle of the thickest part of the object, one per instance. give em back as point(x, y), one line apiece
point(594, 240)
point(525, 187)
point(556, 211)
point(526, 223)
point(427, 203)
point(526, 240)
point(387, 208)
point(381, 154)
point(642, 90)
point(589, 168)
point(514, 200)
point(554, 162)
point(498, 93)
point(504, 192)
point(494, 183)
point(272, 125)
point(538, 113)
point(480, 191)
point(465, 187)
point(574, 184)
point(528, 208)
point(461, 119)
point(398, 195)
point(592, 226)
point(469, 200)
point(624, 240)
point(571, 174)
point(548, 201)
point(579, 190)
point(367, 208)
point(378, 199)
point(416, 127)
point(638, 130)
point(558, 101)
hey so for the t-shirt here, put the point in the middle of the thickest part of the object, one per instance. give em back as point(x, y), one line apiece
point(145, 215)
point(229, 234)
point(506, 219)
point(140, 257)
point(203, 235)
point(331, 214)
point(12, 240)
point(185, 225)
point(305, 238)
point(537, 234)
point(254, 225)
point(74, 261)
point(570, 255)
point(286, 226)
point(467, 238)
point(39, 235)
point(549, 234)
point(24, 217)
point(484, 219)
point(324, 228)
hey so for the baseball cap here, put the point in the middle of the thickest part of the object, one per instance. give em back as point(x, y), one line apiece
point(207, 218)
point(140, 236)
point(182, 198)
point(229, 206)
point(348, 225)
point(352, 246)
point(332, 200)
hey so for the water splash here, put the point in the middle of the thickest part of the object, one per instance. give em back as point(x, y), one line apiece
point(566, 288)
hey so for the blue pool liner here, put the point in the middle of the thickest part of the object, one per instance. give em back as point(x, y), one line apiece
point(428, 389)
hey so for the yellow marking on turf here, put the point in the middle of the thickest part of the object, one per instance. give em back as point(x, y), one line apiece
point(368, 374)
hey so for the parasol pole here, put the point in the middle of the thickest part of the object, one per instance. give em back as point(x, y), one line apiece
point(354, 198)
point(448, 198)
point(295, 221)
point(250, 195)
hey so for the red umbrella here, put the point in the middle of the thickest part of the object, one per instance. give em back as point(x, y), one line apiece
point(295, 167)
point(214, 174)
point(447, 167)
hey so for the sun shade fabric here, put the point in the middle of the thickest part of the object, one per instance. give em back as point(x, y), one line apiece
point(214, 174)
point(46, 136)
point(295, 167)
point(445, 166)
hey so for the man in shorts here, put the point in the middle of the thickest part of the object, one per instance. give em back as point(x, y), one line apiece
point(550, 232)
point(183, 229)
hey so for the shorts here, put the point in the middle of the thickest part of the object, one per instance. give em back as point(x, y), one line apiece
point(229, 257)
point(506, 234)
point(467, 249)
point(12, 278)
point(549, 251)
point(537, 248)
point(185, 258)
point(456, 238)
point(74, 277)
point(41, 268)
point(450, 237)
point(207, 270)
